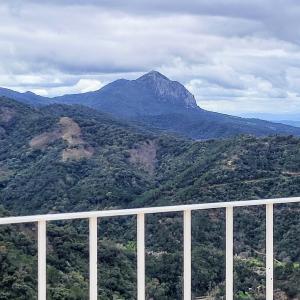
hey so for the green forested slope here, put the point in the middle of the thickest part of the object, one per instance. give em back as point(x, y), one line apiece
point(64, 158)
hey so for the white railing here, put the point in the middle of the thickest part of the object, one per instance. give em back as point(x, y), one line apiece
point(140, 213)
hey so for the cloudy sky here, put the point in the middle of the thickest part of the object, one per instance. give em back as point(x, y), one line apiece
point(236, 56)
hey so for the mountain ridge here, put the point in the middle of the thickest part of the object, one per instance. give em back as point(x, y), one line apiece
point(150, 94)
point(154, 101)
point(26, 97)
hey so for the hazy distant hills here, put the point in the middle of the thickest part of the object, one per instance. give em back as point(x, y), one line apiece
point(291, 123)
point(292, 119)
point(157, 102)
point(27, 97)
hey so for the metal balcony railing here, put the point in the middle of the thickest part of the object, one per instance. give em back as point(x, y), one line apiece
point(140, 213)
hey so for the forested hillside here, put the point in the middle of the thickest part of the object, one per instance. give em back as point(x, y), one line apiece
point(71, 158)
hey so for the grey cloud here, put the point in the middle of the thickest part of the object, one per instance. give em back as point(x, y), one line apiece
point(229, 51)
point(279, 17)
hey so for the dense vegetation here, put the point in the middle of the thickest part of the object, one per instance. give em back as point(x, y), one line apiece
point(70, 158)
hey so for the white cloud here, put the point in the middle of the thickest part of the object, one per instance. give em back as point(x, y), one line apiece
point(82, 86)
point(41, 92)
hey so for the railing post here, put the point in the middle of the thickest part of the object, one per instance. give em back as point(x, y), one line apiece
point(141, 257)
point(93, 249)
point(187, 256)
point(229, 253)
point(42, 252)
point(269, 252)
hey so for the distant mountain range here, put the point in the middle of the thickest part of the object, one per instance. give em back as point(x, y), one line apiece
point(290, 122)
point(27, 98)
point(292, 119)
point(155, 101)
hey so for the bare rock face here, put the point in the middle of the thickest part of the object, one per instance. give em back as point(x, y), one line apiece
point(6, 114)
point(168, 90)
point(144, 156)
point(43, 140)
point(77, 148)
point(70, 132)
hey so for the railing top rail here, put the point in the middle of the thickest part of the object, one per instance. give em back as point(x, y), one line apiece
point(146, 210)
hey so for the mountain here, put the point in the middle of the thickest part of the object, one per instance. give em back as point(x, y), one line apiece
point(290, 122)
point(61, 158)
point(27, 97)
point(155, 101)
point(204, 125)
point(151, 94)
point(291, 119)
point(158, 103)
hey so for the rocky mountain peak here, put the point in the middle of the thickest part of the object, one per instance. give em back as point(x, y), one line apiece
point(167, 90)
point(152, 75)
